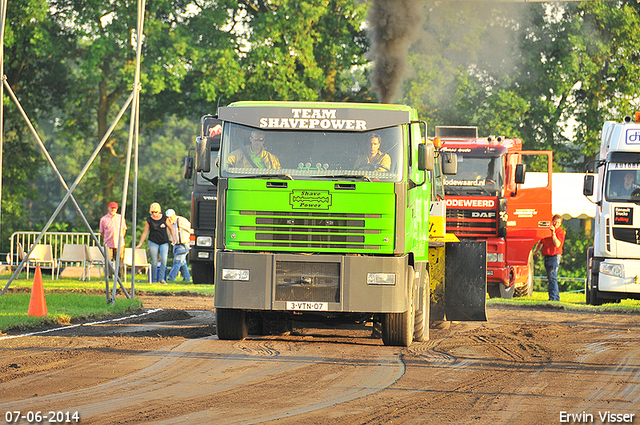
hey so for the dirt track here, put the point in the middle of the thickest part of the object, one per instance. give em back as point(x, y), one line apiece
point(523, 366)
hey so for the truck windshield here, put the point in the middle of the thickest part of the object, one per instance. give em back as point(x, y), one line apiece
point(622, 183)
point(372, 156)
point(477, 176)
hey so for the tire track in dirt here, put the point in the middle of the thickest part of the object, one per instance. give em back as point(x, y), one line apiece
point(468, 371)
point(206, 377)
point(617, 384)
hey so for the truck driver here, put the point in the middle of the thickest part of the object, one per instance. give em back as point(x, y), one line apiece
point(254, 155)
point(375, 160)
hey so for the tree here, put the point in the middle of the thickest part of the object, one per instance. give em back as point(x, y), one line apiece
point(581, 68)
point(465, 76)
point(301, 50)
point(608, 54)
point(529, 71)
point(34, 52)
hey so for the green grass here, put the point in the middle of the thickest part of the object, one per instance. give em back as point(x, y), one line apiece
point(62, 309)
point(570, 301)
point(72, 300)
point(95, 284)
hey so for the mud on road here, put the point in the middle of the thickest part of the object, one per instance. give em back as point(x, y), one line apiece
point(167, 367)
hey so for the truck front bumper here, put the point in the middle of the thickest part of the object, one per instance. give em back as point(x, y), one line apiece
point(622, 276)
point(323, 282)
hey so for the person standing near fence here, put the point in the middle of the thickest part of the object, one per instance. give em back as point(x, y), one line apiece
point(111, 225)
point(181, 244)
point(551, 248)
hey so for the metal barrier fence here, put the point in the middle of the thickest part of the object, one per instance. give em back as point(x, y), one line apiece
point(56, 239)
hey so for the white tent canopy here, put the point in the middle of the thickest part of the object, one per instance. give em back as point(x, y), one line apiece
point(567, 198)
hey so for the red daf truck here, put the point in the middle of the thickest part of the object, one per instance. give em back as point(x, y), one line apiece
point(487, 201)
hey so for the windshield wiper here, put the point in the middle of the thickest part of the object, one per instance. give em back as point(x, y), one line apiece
point(264, 176)
point(451, 190)
point(481, 189)
point(346, 176)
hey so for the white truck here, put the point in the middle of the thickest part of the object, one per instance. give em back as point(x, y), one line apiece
point(613, 263)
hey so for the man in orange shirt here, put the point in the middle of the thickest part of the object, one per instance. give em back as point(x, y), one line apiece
point(551, 247)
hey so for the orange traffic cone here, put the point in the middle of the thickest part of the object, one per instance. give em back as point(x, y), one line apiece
point(38, 304)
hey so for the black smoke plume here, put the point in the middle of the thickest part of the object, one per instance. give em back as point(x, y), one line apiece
point(392, 25)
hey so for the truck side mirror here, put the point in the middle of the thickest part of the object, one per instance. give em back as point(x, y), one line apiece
point(188, 167)
point(203, 154)
point(449, 163)
point(587, 188)
point(426, 157)
point(590, 168)
point(521, 170)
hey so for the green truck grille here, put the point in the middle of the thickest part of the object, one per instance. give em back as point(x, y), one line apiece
point(263, 216)
point(309, 230)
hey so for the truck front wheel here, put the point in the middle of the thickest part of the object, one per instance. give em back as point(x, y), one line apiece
point(527, 289)
point(506, 292)
point(592, 292)
point(397, 328)
point(231, 323)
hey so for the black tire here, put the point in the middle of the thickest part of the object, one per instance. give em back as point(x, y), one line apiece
point(421, 318)
point(595, 298)
point(231, 323)
point(587, 289)
point(397, 328)
point(277, 327)
point(493, 290)
point(440, 324)
point(591, 289)
point(527, 289)
point(506, 292)
point(255, 324)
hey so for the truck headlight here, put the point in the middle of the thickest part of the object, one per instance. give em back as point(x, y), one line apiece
point(204, 241)
point(494, 257)
point(616, 270)
point(381, 278)
point(204, 255)
point(235, 274)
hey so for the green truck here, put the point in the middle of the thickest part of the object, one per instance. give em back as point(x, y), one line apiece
point(323, 215)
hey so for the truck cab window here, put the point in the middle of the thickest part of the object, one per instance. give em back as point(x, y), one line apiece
point(481, 176)
point(622, 183)
point(373, 155)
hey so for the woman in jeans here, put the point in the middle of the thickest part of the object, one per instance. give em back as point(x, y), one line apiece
point(159, 236)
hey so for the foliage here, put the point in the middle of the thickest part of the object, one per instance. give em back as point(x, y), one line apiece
point(34, 49)
point(529, 71)
point(300, 48)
